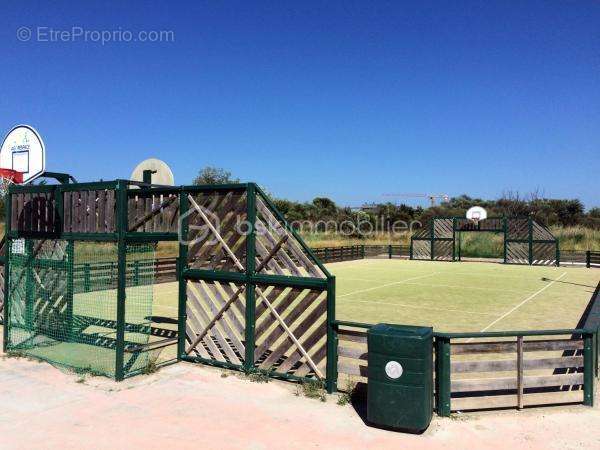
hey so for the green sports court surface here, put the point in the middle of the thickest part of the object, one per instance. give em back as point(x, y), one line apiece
point(468, 296)
point(464, 296)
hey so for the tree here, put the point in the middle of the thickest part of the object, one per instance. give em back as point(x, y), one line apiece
point(594, 213)
point(324, 207)
point(214, 175)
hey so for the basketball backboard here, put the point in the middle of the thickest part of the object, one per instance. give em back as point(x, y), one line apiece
point(476, 213)
point(23, 151)
point(160, 172)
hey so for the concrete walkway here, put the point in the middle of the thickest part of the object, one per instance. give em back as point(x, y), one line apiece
point(191, 406)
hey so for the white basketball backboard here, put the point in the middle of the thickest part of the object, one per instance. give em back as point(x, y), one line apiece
point(23, 150)
point(476, 213)
point(161, 172)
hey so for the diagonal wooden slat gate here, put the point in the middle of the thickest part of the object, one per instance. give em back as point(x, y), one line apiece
point(254, 296)
point(525, 240)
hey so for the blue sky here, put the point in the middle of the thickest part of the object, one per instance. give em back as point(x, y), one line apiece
point(348, 100)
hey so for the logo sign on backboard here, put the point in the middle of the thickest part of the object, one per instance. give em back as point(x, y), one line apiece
point(23, 150)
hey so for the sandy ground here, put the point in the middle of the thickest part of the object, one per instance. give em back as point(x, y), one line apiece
point(192, 406)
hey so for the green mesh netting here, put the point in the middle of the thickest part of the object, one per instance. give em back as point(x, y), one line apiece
point(62, 303)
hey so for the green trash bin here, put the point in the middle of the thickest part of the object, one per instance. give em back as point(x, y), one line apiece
point(400, 386)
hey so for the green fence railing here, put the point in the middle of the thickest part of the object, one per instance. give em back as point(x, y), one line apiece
point(580, 353)
point(565, 377)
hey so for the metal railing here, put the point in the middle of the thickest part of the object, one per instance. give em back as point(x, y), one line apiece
point(465, 373)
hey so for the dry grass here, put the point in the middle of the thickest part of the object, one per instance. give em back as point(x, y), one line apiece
point(473, 244)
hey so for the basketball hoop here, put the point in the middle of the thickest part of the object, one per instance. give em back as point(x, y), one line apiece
point(475, 214)
point(8, 177)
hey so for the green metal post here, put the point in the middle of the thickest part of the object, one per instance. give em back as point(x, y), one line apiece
point(7, 248)
point(29, 285)
point(181, 265)
point(442, 376)
point(332, 344)
point(595, 346)
point(588, 259)
point(410, 254)
point(597, 349)
point(362, 252)
point(588, 369)
point(250, 269)
point(557, 254)
point(70, 254)
point(121, 197)
point(60, 210)
point(389, 251)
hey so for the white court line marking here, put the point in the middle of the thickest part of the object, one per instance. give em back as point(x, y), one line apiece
point(386, 285)
point(404, 305)
point(444, 286)
point(466, 287)
point(366, 279)
point(535, 294)
point(494, 275)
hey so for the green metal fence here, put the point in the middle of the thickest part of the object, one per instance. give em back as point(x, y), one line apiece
point(568, 362)
point(525, 240)
point(492, 370)
point(252, 295)
point(355, 252)
point(54, 317)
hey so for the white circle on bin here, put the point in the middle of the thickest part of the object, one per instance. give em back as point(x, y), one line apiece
point(394, 370)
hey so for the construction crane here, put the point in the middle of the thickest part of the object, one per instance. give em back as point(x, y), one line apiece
point(432, 197)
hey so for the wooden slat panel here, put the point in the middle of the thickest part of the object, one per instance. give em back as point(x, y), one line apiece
point(352, 336)
point(271, 238)
point(352, 369)
point(298, 332)
point(110, 211)
point(148, 210)
point(197, 324)
point(102, 211)
point(506, 401)
point(307, 344)
point(84, 195)
point(221, 300)
point(67, 211)
point(196, 302)
point(511, 347)
point(279, 302)
point(497, 384)
point(218, 205)
point(289, 319)
point(356, 353)
point(190, 333)
point(291, 244)
point(318, 358)
point(509, 364)
point(228, 332)
point(77, 214)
